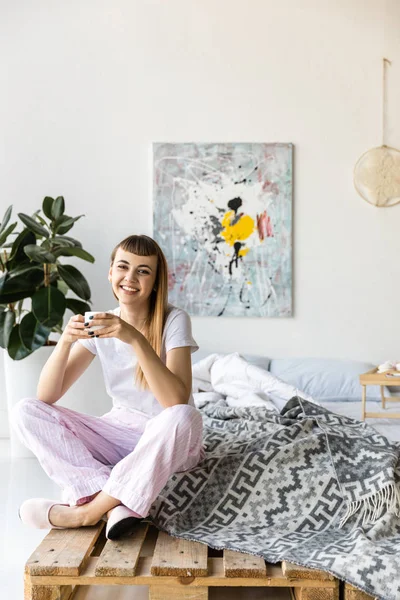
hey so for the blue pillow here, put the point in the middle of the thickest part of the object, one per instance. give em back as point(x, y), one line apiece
point(254, 359)
point(332, 380)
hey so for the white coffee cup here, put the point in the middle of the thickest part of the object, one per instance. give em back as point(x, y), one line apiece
point(94, 313)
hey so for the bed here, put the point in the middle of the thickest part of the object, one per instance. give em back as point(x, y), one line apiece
point(305, 482)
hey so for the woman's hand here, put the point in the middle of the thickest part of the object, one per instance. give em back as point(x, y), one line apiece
point(114, 327)
point(74, 330)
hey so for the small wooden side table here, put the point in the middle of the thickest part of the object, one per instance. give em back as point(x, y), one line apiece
point(374, 378)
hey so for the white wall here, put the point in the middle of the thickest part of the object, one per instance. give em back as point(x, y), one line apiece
point(87, 85)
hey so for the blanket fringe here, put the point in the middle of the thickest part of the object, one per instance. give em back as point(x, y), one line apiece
point(373, 506)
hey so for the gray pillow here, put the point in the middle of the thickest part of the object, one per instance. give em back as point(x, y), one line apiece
point(332, 380)
point(254, 359)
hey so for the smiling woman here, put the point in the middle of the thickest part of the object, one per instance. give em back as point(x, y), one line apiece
point(118, 463)
point(131, 276)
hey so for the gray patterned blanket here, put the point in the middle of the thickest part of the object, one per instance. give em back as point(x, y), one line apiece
point(304, 485)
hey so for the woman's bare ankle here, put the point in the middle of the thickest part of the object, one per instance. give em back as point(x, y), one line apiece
point(87, 517)
point(66, 516)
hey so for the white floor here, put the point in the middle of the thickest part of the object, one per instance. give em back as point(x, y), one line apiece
point(24, 478)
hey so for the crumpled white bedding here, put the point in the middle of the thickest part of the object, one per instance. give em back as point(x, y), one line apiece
point(231, 378)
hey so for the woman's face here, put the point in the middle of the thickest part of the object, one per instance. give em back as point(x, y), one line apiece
point(133, 277)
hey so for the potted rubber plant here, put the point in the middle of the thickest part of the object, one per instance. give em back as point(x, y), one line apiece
point(34, 287)
point(32, 269)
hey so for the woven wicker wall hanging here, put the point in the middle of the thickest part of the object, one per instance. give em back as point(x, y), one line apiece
point(377, 172)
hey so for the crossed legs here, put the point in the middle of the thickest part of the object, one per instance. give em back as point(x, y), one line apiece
point(85, 514)
point(143, 457)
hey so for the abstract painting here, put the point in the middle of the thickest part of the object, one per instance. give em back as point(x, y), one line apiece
point(222, 213)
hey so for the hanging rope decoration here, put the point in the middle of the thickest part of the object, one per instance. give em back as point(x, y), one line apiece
point(377, 172)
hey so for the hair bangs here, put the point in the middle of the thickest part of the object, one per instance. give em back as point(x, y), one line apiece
point(142, 245)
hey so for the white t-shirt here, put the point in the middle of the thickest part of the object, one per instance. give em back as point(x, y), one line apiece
point(118, 362)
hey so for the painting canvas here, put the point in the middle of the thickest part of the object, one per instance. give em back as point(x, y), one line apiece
point(222, 213)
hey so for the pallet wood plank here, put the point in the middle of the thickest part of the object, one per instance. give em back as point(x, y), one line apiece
point(297, 572)
point(214, 577)
point(178, 593)
point(177, 556)
point(239, 564)
point(119, 558)
point(63, 551)
point(352, 593)
point(48, 592)
point(316, 593)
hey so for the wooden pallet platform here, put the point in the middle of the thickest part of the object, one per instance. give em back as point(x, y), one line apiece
point(172, 568)
point(352, 593)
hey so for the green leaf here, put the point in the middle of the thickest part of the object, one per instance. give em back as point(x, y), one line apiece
point(77, 306)
point(73, 241)
point(16, 349)
point(39, 254)
point(3, 280)
point(30, 273)
point(15, 296)
point(7, 320)
point(47, 205)
point(20, 283)
point(66, 224)
point(32, 333)
point(58, 207)
point(6, 233)
point(46, 244)
point(74, 252)
point(18, 255)
point(58, 240)
point(33, 225)
point(42, 221)
point(75, 280)
point(48, 306)
point(6, 218)
point(62, 286)
point(58, 222)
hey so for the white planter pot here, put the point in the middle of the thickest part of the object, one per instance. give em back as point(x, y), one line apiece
point(21, 377)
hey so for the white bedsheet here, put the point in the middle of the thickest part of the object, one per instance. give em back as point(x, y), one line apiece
point(239, 383)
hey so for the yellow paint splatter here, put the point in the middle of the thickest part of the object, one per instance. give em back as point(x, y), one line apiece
point(243, 251)
point(241, 230)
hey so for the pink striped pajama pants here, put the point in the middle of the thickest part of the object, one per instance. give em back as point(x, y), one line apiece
point(126, 454)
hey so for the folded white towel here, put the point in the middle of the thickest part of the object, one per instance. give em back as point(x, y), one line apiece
point(387, 366)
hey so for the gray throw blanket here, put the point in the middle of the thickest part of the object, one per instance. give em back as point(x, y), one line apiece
point(304, 485)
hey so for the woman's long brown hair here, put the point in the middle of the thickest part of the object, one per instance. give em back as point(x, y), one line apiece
point(142, 245)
